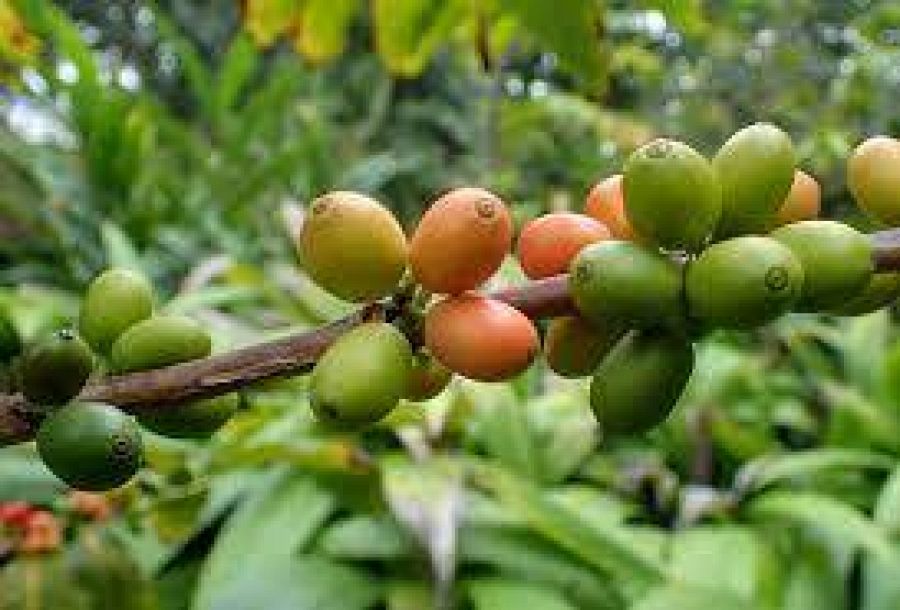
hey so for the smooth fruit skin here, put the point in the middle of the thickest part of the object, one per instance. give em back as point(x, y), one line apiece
point(836, 259)
point(427, 378)
point(804, 201)
point(353, 246)
point(756, 170)
point(480, 338)
point(882, 290)
point(618, 281)
point(606, 203)
point(638, 384)
point(549, 243)
point(362, 376)
point(198, 419)
point(91, 446)
point(54, 370)
point(873, 175)
point(461, 241)
point(574, 348)
point(672, 196)
point(160, 341)
point(114, 301)
point(743, 282)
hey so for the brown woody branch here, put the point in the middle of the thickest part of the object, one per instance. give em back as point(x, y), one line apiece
point(296, 354)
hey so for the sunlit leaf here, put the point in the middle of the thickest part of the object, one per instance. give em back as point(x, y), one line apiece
point(321, 30)
point(499, 594)
point(408, 32)
point(259, 543)
point(268, 19)
point(683, 597)
point(772, 469)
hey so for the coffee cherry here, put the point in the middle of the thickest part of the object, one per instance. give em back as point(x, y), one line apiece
point(574, 347)
point(548, 244)
point(198, 419)
point(672, 195)
point(90, 446)
point(606, 203)
point(361, 377)
point(480, 338)
point(115, 300)
point(756, 170)
point(638, 384)
point(54, 370)
point(873, 175)
point(427, 378)
point(353, 246)
point(160, 341)
point(626, 284)
point(804, 201)
point(461, 241)
point(836, 259)
point(743, 282)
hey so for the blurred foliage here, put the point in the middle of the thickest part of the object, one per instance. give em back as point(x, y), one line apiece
point(184, 138)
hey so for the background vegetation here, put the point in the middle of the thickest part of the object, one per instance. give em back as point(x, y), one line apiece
point(181, 138)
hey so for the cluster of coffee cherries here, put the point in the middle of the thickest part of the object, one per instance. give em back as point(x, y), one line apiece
point(673, 247)
point(93, 445)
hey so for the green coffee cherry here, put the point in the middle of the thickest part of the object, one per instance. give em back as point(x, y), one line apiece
point(672, 195)
point(115, 300)
point(837, 261)
point(54, 370)
point(160, 341)
point(624, 284)
point(755, 168)
point(362, 376)
point(743, 282)
point(91, 446)
point(639, 383)
point(198, 419)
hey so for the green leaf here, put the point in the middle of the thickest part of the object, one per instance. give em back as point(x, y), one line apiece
point(409, 595)
point(120, 250)
point(522, 554)
point(773, 469)
point(813, 581)
point(825, 514)
point(295, 583)
point(238, 67)
point(408, 32)
point(881, 577)
point(728, 558)
point(366, 538)
point(682, 597)
point(263, 536)
point(600, 548)
point(497, 594)
point(25, 477)
point(570, 28)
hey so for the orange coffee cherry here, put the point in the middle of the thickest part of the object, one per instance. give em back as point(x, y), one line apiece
point(460, 241)
point(606, 203)
point(804, 201)
point(547, 244)
point(480, 338)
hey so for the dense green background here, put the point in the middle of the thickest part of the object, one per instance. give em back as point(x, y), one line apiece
point(182, 138)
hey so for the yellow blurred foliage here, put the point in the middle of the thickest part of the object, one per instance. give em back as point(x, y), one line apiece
point(17, 44)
